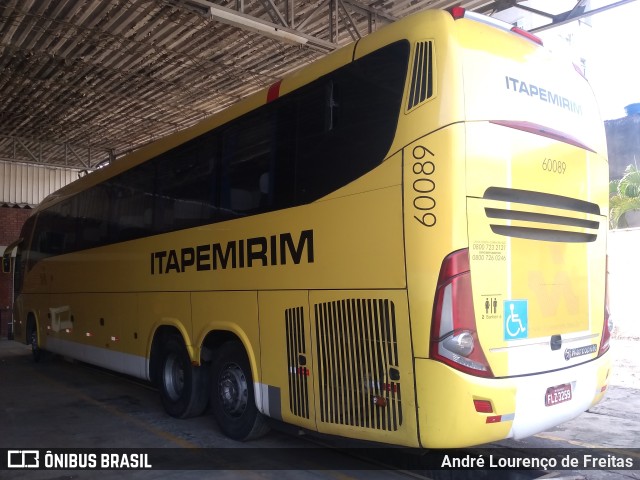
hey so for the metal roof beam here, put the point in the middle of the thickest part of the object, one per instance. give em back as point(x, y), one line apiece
point(374, 11)
point(348, 21)
point(59, 152)
point(274, 13)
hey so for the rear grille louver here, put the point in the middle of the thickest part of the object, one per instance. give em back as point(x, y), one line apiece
point(421, 88)
point(297, 361)
point(535, 232)
point(357, 356)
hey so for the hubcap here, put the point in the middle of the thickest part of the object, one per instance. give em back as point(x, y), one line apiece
point(173, 377)
point(233, 390)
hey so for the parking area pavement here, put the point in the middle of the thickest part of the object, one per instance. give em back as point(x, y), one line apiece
point(57, 404)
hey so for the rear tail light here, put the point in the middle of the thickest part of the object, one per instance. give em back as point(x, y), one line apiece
point(454, 339)
point(458, 12)
point(607, 327)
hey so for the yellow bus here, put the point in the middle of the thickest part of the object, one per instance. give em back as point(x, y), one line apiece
point(403, 242)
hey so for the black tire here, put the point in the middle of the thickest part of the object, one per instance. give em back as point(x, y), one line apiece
point(184, 389)
point(232, 397)
point(36, 351)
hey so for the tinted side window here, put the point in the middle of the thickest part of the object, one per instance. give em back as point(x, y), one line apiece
point(131, 199)
point(247, 156)
point(55, 232)
point(92, 217)
point(185, 193)
point(293, 151)
point(27, 256)
point(347, 121)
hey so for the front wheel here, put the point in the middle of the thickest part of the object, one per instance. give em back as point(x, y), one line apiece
point(183, 387)
point(232, 397)
point(36, 351)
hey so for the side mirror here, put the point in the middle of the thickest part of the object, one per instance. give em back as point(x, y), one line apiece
point(6, 263)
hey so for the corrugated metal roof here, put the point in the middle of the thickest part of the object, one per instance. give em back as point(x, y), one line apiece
point(83, 82)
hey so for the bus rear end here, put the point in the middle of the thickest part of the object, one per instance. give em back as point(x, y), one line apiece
point(520, 330)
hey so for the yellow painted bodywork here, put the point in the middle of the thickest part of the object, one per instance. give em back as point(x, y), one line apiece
point(381, 238)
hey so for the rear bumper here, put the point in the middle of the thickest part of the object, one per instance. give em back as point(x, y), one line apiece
point(447, 416)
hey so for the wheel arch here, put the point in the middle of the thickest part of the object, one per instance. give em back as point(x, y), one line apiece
point(161, 333)
point(240, 417)
point(215, 338)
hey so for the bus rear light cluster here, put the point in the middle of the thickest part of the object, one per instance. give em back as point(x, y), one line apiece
point(458, 13)
point(454, 340)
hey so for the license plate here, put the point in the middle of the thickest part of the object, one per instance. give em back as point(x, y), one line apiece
point(557, 394)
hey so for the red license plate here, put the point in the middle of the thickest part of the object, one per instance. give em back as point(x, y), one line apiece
point(557, 394)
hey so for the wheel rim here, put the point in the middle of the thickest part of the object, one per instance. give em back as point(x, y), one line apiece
point(173, 377)
point(233, 390)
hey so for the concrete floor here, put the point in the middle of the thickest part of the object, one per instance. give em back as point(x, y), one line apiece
point(57, 404)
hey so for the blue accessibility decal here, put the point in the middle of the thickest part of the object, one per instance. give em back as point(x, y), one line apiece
point(516, 319)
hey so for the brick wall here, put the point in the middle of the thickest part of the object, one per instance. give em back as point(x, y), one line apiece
point(11, 221)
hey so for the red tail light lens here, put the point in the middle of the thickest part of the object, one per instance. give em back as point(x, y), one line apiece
point(607, 328)
point(527, 35)
point(457, 12)
point(454, 338)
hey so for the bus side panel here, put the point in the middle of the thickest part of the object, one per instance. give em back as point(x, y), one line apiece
point(130, 340)
point(288, 363)
point(37, 305)
point(235, 312)
point(434, 213)
point(33, 299)
point(98, 328)
point(363, 378)
point(158, 309)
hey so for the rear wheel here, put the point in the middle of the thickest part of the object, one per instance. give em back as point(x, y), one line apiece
point(232, 396)
point(183, 387)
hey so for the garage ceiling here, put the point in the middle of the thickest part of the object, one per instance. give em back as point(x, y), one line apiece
point(83, 82)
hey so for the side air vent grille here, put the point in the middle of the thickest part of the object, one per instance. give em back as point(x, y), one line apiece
point(538, 227)
point(421, 88)
point(297, 361)
point(358, 372)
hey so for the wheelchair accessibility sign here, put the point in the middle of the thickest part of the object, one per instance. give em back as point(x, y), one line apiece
point(516, 319)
